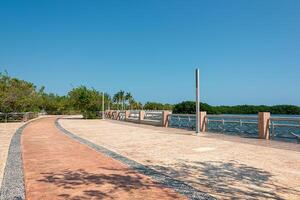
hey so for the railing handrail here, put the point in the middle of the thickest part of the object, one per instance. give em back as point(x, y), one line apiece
point(226, 121)
point(134, 111)
point(218, 116)
point(183, 115)
point(296, 119)
point(15, 113)
point(286, 125)
point(158, 112)
point(152, 120)
point(231, 117)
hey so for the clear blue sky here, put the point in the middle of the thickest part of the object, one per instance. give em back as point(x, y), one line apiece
point(248, 51)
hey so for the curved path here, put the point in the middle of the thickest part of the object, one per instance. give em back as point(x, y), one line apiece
point(59, 167)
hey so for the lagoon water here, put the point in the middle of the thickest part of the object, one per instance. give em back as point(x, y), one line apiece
point(286, 130)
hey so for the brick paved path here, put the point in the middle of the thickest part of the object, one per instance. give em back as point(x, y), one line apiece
point(58, 167)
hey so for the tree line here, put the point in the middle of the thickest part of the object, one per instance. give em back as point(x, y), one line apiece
point(188, 107)
point(22, 96)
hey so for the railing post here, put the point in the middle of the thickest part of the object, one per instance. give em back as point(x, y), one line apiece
point(164, 118)
point(263, 125)
point(127, 113)
point(117, 115)
point(110, 114)
point(25, 117)
point(202, 124)
point(141, 116)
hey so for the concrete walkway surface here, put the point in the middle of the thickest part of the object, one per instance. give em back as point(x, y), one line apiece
point(227, 167)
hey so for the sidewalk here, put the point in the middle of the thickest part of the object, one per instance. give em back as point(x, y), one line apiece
point(58, 167)
point(227, 167)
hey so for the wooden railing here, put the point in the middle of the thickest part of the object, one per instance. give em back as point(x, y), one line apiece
point(17, 117)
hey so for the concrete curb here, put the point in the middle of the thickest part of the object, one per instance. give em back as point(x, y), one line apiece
point(163, 179)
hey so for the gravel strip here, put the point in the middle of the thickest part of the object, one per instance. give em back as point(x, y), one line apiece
point(13, 180)
point(165, 180)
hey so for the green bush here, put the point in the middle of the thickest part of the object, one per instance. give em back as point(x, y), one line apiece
point(90, 115)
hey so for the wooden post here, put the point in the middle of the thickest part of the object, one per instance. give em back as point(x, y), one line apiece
point(127, 113)
point(164, 118)
point(202, 124)
point(263, 125)
point(141, 116)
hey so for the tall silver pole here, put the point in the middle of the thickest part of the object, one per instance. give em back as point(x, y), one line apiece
point(103, 105)
point(197, 102)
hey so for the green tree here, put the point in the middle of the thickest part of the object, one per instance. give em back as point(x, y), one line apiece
point(17, 95)
point(189, 107)
point(87, 101)
point(129, 98)
point(157, 106)
point(119, 98)
point(116, 100)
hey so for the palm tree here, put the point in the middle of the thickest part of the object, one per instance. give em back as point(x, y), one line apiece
point(129, 98)
point(122, 98)
point(116, 99)
point(136, 105)
point(119, 98)
point(109, 100)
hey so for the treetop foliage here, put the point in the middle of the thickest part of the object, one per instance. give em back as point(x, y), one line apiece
point(157, 106)
point(189, 107)
point(22, 96)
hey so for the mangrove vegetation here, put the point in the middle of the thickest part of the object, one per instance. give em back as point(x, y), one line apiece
point(22, 96)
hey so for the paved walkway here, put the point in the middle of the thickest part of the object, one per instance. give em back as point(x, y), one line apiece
point(58, 167)
point(227, 167)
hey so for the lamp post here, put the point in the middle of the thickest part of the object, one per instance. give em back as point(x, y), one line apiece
point(103, 105)
point(197, 102)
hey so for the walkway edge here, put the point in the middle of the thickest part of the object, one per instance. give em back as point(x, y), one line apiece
point(13, 187)
point(163, 179)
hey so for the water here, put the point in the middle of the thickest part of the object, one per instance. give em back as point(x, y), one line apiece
point(287, 130)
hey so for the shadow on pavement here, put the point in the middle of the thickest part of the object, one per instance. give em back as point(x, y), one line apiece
point(100, 185)
point(228, 180)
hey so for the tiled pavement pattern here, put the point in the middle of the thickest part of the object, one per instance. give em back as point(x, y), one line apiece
point(58, 167)
point(227, 167)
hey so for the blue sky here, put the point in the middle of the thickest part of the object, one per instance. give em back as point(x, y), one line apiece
point(248, 51)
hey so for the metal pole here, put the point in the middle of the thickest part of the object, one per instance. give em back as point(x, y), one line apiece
point(103, 105)
point(197, 102)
